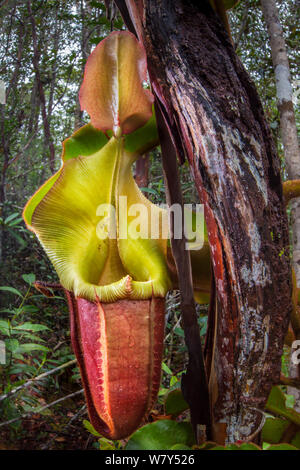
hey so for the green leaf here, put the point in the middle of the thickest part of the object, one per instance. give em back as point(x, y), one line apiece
point(4, 327)
point(282, 447)
point(173, 380)
point(150, 191)
point(22, 369)
point(273, 429)
point(220, 448)
point(29, 278)
point(249, 446)
point(179, 332)
point(296, 440)
point(28, 336)
point(162, 391)
point(106, 444)
point(289, 401)
point(90, 428)
point(12, 345)
point(166, 369)
point(17, 237)
point(161, 435)
point(12, 290)
point(208, 445)
point(30, 308)
point(27, 326)
point(11, 217)
point(175, 404)
point(25, 348)
point(244, 446)
point(276, 404)
point(16, 222)
point(180, 447)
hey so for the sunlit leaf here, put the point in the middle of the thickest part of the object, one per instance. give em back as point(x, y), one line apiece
point(180, 447)
point(166, 369)
point(276, 404)
point(25, 348)
point(4, 327)
point(282, 447)
point(11, 217)
point(12, 290)
point(273, 429)
point(29, 278)
point(90, 428)
point(27, 326)
point(175, 404)
point(161, 435)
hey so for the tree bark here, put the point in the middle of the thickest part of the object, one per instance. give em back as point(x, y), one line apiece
point(5, 136)
point(287, 115)
point(288, 131)
point(83, 9)
point(216, 119)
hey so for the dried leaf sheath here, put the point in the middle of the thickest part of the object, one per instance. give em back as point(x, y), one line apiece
point(119, 349)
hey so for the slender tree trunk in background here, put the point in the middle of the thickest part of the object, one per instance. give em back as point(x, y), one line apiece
point(55, 47)
point(215, 117)
point(142, 171)
point(287, 115)
point(5, 153)
point(6, 137)
point(83, 9)
point(34, 110)
point(36, 56)
point(244, 24)
point(288, 133)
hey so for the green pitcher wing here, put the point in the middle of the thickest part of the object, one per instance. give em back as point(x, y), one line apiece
point(84, 142)
point(66, 221)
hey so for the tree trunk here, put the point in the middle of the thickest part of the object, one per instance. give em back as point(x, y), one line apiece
point(83, 9)
point(5, 136)
point(36, 56)
point(288, 131)
point(216, 119)
point(287, 115)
